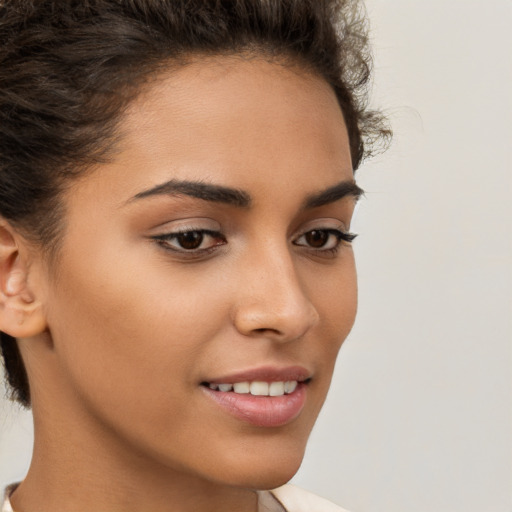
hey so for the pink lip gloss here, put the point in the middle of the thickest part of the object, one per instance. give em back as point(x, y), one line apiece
point(261, 411)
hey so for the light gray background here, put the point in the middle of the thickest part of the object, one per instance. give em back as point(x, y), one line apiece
point(420, 414)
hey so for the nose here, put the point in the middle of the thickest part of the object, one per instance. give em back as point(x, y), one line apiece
point(272, 302)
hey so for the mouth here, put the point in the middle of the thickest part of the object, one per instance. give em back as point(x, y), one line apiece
point(256, 388)
point(263, 398)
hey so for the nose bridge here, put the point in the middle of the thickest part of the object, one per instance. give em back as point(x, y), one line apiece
point(273, 301)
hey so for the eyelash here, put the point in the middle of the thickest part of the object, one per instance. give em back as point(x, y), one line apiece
point(165, 239)
point(341, 236)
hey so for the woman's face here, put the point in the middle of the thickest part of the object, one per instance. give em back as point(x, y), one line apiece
point(211, 252)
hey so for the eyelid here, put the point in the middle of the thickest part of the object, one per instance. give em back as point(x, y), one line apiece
point(167, 236)
point(165, 240)
point(323, 224)
point(337, 236)
point(186, 224)
point(341, 235)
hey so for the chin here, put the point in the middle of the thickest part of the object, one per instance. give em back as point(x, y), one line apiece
point(272, 481)
point(264, 471)
point(264, 480)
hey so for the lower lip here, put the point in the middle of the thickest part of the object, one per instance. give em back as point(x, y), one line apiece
point(261, 411)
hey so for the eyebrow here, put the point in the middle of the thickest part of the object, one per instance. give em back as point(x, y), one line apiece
point(333, 194)
point(199, 190)
point(240, 198)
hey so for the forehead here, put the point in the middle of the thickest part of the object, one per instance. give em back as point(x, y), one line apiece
point(233, 121)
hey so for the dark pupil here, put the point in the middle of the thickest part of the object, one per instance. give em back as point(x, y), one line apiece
point(190, 239)
point(317, 238)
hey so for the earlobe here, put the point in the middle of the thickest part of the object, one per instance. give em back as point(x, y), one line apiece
point(21, 313)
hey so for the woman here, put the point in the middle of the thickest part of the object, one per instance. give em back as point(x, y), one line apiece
point(177, 185)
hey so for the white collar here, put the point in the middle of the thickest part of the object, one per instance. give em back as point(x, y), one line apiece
point(6, 506)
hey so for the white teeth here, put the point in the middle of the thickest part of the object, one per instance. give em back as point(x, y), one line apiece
point(276, 389)
point(259, 388)
point(290, 386)
point(242, 387)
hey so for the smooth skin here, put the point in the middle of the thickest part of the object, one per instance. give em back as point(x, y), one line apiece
point(119, 336)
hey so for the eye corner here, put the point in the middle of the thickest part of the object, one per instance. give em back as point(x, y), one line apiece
point(349, 237)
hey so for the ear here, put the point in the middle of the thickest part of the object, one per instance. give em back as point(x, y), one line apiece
point(21, 312)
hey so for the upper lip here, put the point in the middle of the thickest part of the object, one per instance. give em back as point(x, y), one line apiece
point(265, 374)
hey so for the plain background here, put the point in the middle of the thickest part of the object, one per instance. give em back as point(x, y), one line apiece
point(420, 414)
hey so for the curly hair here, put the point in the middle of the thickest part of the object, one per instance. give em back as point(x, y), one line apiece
point(69, 68)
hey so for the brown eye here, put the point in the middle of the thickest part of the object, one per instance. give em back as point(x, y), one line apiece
point(324, 240)
point(190, 240)
point(317, 238)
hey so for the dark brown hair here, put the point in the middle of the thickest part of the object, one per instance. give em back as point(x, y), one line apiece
point(68, 68)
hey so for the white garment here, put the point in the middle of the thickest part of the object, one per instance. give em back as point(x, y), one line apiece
point(6, 507)
point(294, 499)
point(284, 499)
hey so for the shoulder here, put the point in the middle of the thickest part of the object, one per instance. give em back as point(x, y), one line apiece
point(295, 499)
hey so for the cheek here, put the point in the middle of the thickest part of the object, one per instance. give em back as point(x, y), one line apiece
point(333, 291)
point(119, 323)
point(334, 294)
point(129, 351)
